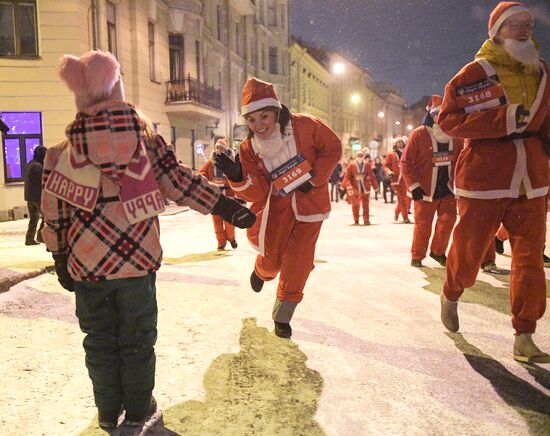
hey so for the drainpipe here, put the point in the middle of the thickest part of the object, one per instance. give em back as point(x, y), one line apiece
point(94, 27)
point(193, 149)
point(229, 129)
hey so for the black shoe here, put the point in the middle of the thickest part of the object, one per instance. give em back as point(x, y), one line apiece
point(283, 330)
point(545, 258)
point(108, 419)
point(417, 263)
point(233, 244)
point(439, 258)
point(221, 247)
point(499, 246)
point(32, 243)
point(255, 282)
point(136, 420)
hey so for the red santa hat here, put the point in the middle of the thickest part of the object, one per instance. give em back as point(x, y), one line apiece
point(257, 95)
point(222, 142)
point(434, 104)
point(93, 78)
point(503, 11)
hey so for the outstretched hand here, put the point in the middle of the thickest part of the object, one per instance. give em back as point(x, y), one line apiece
point(232, 169)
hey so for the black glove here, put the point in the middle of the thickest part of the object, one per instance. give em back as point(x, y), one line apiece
point(232, 169)
point(418, 193)
point(63, 276)
point(521, 114)
point(305, 187)
point(234, 213)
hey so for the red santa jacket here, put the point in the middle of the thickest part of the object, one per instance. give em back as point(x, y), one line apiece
point(208, 170)
point(422, 160)
point(392, 167)
point(319, 145)
point(361, 182)
point(497, 156)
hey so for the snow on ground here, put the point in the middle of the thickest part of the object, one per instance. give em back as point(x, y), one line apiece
point(369, 354)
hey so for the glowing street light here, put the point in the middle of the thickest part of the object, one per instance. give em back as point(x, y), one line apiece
point(381, 114)
point(409, 127)
point(338, 68)
point(398, 123)
point(355, 98)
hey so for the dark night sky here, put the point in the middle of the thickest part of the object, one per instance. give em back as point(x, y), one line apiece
point(416, 44)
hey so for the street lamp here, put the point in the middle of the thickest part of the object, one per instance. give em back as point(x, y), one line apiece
point(355, 98)
point(398, 123)
point(338, 68)
point(381, 114)
point(409, 127)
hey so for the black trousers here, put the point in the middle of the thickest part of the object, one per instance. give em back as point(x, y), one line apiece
point(34, 216)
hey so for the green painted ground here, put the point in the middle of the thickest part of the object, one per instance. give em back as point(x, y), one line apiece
point(265, 389)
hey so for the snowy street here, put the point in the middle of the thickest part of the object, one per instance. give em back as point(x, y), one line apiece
point(368, 355)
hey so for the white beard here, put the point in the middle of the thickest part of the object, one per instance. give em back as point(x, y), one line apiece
point(522, 51)
point(440, 135)
point(271, 146)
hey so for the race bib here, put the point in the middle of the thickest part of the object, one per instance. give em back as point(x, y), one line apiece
point(482, 95)
point(291, 174)
point(442, 158)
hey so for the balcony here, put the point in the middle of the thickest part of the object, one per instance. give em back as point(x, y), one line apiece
point(191, 95)
point(244, 7)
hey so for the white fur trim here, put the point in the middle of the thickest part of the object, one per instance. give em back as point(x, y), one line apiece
point(259, 104)
point(241, 187)
point(414, 186)
point(505, 15)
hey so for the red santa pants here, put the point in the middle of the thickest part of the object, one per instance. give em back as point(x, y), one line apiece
point(289, 249)
point(424, 212)
point(356, 202)
point(403, 204)
point(224, 231)
point(525, 221)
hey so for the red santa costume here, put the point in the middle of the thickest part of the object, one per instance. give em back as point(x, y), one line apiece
point(289, 220)
point(392, 165)
point(501, 175)
point(358, 181)
point(224, 231)
point(427, 166)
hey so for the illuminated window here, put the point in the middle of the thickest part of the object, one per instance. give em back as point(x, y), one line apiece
point(111, 28)
point(24, 135)
point(151, 31)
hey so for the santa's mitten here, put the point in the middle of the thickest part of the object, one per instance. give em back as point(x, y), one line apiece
point(417, 193)
point(63, 276)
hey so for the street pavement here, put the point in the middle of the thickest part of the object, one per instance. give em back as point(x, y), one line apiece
point(369, 354)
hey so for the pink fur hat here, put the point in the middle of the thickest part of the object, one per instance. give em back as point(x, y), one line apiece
point(93, 78)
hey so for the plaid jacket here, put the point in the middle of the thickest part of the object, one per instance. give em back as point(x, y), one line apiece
point(102, 244)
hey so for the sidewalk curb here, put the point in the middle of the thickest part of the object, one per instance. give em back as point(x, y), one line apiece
point(7, 282)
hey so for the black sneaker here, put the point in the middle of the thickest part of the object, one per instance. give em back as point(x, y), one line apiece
point(233, 244)
point(441, 259)
point(255, 282)
point(108, 419)
point(545, 258)
point(32, 243)
point(137, 420)
point(499, 246)
point(417, 263)
point(221, 247)
point(283, 329)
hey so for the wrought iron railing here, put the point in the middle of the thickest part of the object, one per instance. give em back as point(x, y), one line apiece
point(190, 89)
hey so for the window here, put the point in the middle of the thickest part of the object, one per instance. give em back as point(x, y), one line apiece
point(271, 12)
point(18, 28)
point(219, 22)
point(177, 58)
point(283, 16)
point(151, 30)
point(111, 28)
point(198, 59)
point(273, 60)
point(237, 38)
point(24, 135)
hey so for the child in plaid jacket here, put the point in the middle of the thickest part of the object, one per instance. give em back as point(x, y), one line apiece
point(103, 189)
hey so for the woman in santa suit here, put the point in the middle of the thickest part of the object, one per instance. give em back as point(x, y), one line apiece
point(224, 230)
point(392, 165)
point(358, 180)
point(283, 170)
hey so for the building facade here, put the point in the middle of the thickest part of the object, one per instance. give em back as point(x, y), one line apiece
point(183, 64)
